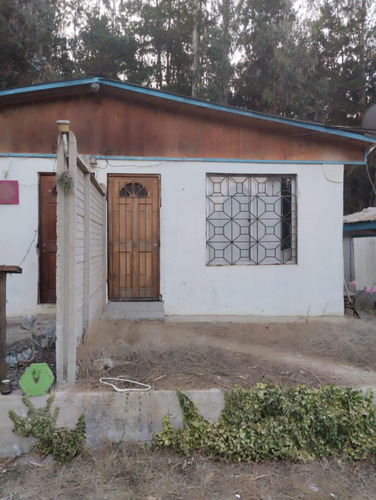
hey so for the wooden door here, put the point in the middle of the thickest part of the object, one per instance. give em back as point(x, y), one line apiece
point(133, 237)
point(47, 238)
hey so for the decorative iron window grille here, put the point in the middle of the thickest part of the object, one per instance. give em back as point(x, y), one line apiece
point(251, 219)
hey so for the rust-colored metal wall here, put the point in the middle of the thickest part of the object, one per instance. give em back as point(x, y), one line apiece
point(141, 125)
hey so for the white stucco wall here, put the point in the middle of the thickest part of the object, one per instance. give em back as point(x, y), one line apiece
point(18, 226)
point(312, 287)
point(364, 261)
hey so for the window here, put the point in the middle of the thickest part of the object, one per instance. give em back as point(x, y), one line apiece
point(133, 189)
point(251, 219)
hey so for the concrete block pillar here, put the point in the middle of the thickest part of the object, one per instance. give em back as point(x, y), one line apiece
point(104, 254)
point(66, 261)
point(86, 279)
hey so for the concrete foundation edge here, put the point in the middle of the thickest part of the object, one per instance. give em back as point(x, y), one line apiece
point(135, 416)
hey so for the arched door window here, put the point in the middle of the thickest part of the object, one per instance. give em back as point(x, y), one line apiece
point(133, 189)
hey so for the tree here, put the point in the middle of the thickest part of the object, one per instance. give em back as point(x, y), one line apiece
point(358, 190)
point(33, 46)
point(338, 35)
point(13, 58)
point(266, 69)
point(165, 34)
point(217, 46)
point(104, 50)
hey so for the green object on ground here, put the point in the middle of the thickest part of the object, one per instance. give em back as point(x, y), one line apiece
point(37, 379)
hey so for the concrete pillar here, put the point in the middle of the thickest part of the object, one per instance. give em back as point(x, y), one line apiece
point(3, 316)
point(86, 284)
point(66, 262)
point(104, 253)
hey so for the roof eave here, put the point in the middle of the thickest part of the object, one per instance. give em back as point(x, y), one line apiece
point(190, 101)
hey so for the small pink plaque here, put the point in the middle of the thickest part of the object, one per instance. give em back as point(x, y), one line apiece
point(9, 193)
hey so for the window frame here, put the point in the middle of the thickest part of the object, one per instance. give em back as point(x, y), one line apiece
point(278, 243)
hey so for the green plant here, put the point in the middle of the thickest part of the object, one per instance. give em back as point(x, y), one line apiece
point(191, 436)
point(65, 180)
point(40, 423)
point(269, 422)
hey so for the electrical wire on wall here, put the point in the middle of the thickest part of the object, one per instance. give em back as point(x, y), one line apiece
point(6, 172)
point(370, 179)
point(29, 248)
point(334, 181)
point(118, 165)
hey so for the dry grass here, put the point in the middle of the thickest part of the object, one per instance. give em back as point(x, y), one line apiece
point(347, 340)
point(187, 366)
point(132, 472)
point(204, 355)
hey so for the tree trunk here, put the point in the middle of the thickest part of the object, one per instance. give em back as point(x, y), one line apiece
point(226, 6)
point(195, 51)
point(362, 90)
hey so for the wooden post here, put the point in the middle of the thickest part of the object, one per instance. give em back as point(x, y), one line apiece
point(3, 317)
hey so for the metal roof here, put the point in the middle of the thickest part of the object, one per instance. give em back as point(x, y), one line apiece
point(18, 91)
point(366, 215)
point(360, 224)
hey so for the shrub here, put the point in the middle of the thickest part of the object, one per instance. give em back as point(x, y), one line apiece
point(40, 423)
point(269, 422)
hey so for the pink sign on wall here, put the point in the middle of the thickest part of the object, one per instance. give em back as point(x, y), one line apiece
point(9, 193)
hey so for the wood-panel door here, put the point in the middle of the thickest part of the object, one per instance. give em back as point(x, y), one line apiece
point(47, 238)
point(133, 237)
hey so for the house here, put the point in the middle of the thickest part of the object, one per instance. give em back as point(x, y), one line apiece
point(211, 210)
point(359, 247)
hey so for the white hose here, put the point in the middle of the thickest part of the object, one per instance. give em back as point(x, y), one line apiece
point(143, 387)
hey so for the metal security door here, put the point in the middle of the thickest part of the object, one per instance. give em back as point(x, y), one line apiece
point(47, 238)
point(133, 237)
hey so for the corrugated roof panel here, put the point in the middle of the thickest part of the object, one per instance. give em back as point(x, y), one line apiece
point(367, 214)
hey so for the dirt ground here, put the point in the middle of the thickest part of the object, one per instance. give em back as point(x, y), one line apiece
point(203, 355)
point(130, 472)
point(200, 355)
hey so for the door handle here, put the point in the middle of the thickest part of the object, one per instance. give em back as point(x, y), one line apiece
point(44, 248)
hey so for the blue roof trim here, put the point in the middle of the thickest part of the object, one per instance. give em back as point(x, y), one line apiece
point(358, 236)
point(224, 160)
point(192, 101)
point(49, 86)
point(26, 155)
point(184, 159)
point(358, 226)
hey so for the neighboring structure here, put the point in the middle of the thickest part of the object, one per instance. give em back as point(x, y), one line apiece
point(359, 247)
point(212, 210)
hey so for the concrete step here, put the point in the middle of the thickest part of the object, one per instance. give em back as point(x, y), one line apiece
point(134, 310)
point(109, 415)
